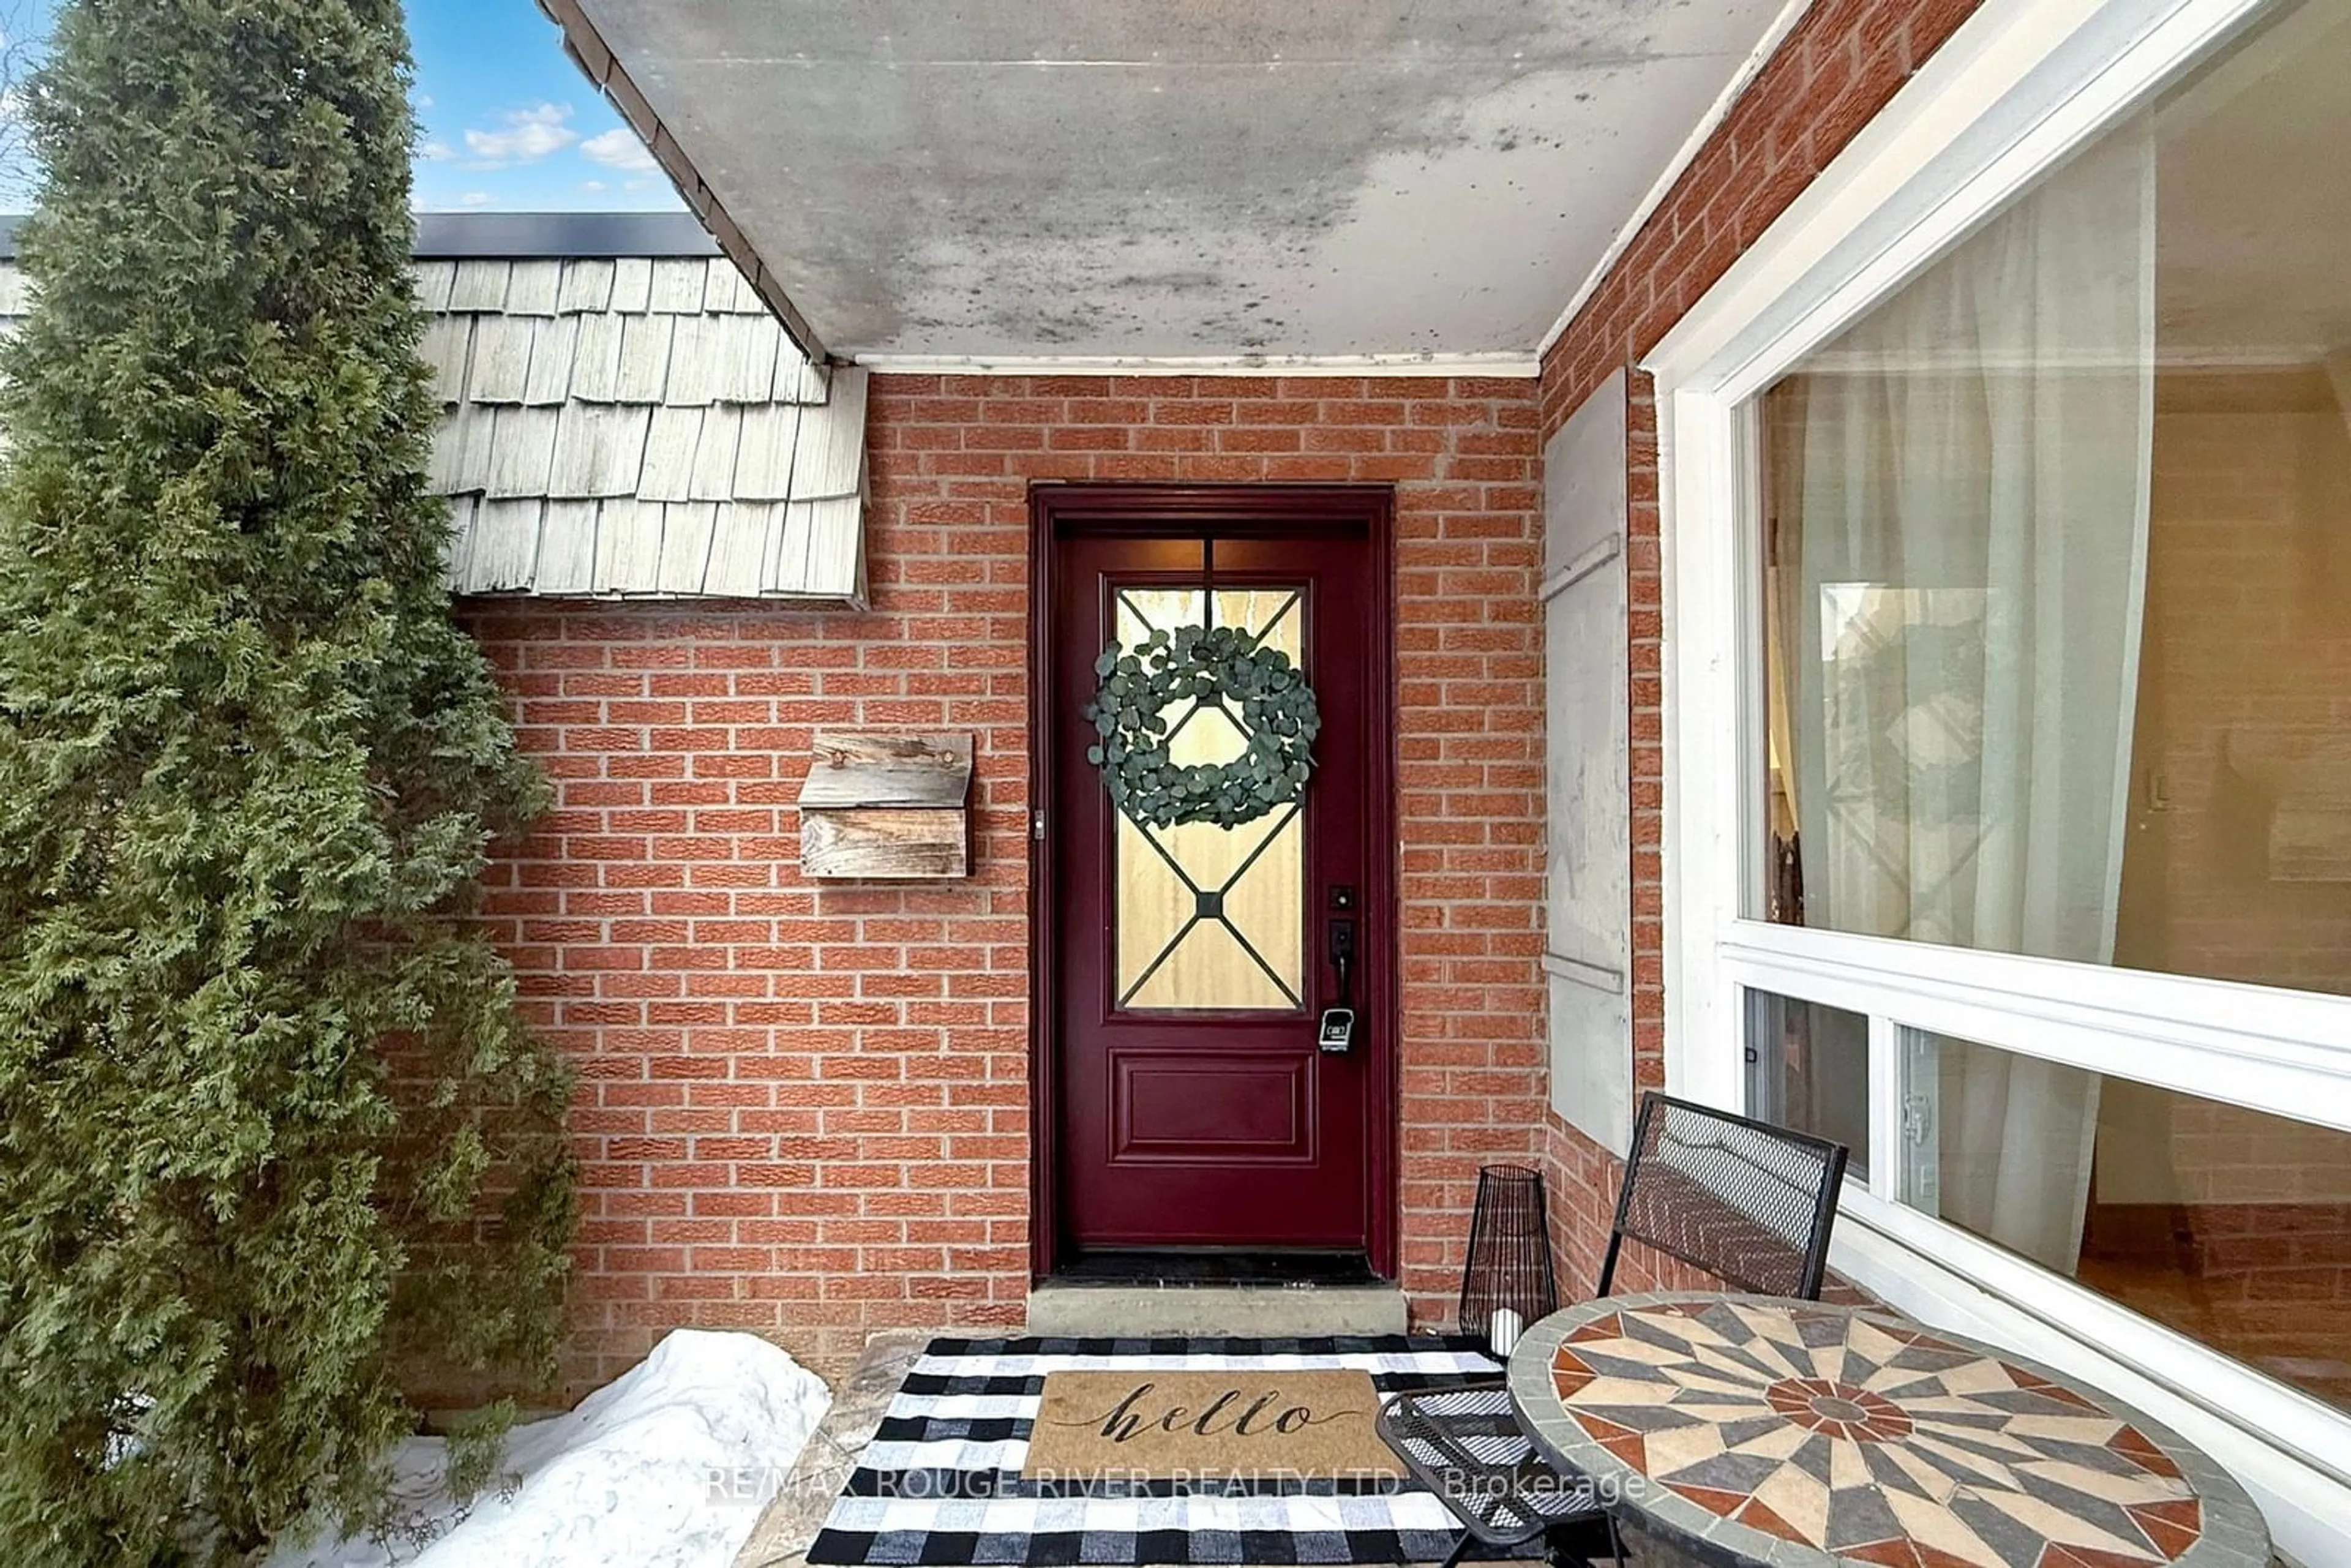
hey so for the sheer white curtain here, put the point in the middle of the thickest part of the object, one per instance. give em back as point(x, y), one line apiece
point(1961, 586)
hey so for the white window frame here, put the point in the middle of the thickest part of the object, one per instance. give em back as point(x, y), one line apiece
point(2020, 85)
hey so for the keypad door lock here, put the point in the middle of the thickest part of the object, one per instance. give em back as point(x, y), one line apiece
point(1337, 1032)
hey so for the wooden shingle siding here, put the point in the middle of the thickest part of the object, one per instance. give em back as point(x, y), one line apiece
point(504, 543)
point(434, 280)
point(670, 441)
point(679, 444)
point(586, 289)
point(644, 373)
point(632, 284)
point(678, 285)
point(686, 548)
point(763, 456)
point(533, 286)
point(447, 341)
point(599, 450)
point(630, 426)
point(567, 548)
point(744, 541)
point(714, 455)
point(522, 454)
point(596, 358)
point(501, 361)
point(554, 343)
point(479, 287)
point(628, 546)
point(673, 436)
point(829, 453)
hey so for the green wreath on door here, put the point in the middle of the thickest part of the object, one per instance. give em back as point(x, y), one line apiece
point(1256, 685)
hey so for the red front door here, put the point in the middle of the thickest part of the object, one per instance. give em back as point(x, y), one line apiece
point(1191, 966)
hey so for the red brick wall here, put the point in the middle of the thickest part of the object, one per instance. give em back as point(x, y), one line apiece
point(804, 1110)
point(1835, 71)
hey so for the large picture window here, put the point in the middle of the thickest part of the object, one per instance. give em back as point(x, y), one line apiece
point(2010, 803)
point(2057, 547)
point(2056, 613)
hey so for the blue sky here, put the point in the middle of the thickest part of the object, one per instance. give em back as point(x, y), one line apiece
point(510, 123)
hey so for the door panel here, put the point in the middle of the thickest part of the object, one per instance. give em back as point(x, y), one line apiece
point(1189, 964)
point(1206, 1104)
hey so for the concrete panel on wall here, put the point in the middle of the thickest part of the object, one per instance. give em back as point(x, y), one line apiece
point(1588, 912)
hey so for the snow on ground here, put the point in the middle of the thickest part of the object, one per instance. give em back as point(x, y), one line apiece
point(666, 1468)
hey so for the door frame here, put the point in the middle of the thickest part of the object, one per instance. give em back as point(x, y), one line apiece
point(1222, 511)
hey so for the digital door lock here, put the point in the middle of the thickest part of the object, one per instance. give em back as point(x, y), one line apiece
point(1337, 1033)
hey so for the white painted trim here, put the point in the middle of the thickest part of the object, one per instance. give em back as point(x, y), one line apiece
point(1886, 1152)
point(1699, 458)
point(1510, 363)
point(2252, 1046)
point(2017, 89)
point(2020, 85)
point(1717, 112)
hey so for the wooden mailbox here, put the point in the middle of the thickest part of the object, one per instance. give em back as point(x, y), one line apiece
point(885, 805)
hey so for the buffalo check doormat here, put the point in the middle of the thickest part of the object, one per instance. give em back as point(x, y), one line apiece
point(942, 1483)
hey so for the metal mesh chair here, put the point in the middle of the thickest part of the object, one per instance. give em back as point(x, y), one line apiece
point(1750, 1202)
point(1465, 1445)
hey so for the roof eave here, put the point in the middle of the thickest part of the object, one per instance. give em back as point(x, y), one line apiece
point(589, 51)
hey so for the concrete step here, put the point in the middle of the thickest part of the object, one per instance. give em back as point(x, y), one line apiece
point(1081, 1309)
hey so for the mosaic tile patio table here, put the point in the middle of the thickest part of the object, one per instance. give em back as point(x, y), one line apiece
point(1795, 1434)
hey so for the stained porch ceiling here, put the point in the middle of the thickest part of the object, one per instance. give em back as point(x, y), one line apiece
point(1123, 178)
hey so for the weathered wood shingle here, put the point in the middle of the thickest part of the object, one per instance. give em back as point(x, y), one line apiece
point(631, 426)
point(682, 446)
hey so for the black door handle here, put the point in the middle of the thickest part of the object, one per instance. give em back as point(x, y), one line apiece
point(1343, 957)
point(1337, 1033)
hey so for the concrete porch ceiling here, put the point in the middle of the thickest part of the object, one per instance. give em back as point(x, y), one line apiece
point(1111, 180)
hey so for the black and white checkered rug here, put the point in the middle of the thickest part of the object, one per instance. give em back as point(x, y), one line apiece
point(940, 1483)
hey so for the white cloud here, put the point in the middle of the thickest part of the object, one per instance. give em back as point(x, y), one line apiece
point(525, 136)
point(423, 100)
point(436, 152)
point(477, 198)
point(594, 187)
point(616, 148)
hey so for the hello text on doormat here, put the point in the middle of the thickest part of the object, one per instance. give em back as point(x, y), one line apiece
point(1165, 1426)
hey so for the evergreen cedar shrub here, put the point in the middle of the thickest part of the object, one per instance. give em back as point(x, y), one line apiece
point(270, 1128)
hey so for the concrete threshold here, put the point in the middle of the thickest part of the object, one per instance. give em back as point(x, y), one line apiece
point(1085, 1309)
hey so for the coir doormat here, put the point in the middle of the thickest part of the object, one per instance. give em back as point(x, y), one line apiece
point(1163, 1424)
point(944, 1483)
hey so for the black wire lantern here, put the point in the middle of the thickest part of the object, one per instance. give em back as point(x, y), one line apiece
point(1508, 1283)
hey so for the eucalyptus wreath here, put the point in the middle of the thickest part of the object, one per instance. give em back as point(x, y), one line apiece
point(1223, 666)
